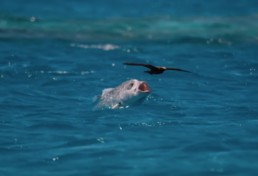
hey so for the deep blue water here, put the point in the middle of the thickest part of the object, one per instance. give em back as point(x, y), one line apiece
point(55, 56)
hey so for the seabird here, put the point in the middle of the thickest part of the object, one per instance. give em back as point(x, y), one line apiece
point(155, 69)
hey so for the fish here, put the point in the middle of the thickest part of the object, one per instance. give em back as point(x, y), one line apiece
point(127, 94)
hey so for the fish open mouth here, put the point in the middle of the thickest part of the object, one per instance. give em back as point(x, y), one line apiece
point(144, 87)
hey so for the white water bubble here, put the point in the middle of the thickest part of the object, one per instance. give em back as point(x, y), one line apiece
point(33, 19)
point(55, 158)
point(101, 140)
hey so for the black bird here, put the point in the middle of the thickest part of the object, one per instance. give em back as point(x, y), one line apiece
point(155, 69)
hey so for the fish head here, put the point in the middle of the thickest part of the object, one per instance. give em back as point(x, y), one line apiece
point(133, 91)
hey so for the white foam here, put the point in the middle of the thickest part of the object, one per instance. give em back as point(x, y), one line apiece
point(105, 47)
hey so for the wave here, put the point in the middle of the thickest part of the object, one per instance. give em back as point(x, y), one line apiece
point(210, 30)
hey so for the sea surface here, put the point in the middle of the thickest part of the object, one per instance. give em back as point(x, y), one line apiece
point(55, 56)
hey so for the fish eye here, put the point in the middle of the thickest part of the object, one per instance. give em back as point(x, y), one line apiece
point(130, 85)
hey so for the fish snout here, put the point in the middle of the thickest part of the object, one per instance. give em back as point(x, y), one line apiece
point(143, 87)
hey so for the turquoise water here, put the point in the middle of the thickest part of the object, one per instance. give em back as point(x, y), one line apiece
point(55, 56)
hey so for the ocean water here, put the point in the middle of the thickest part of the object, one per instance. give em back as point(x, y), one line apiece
point(55, 56)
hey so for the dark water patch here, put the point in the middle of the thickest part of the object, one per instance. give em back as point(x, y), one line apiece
point(219, 31)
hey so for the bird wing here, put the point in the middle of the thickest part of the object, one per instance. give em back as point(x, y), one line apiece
point(177, 69)
point(144, 65)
